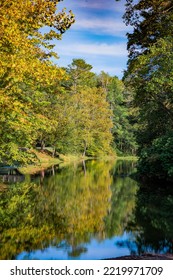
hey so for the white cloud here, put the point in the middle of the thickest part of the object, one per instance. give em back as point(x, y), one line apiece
point(110, 5)
point(99, 16)
point(96, 49)
point(101, 26)
point(96, 17)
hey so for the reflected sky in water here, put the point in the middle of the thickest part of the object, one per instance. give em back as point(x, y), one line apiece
point(95, 250)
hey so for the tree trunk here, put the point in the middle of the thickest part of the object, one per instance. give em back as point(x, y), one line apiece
point(53, 170)
point(85, 147)
point(53, 152)
point(84, 167)
point(42, 145)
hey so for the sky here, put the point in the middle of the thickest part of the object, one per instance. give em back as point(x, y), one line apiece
point(98, 36)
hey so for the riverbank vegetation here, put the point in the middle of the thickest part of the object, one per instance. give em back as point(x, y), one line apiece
point(43, 161)
point(149, 76)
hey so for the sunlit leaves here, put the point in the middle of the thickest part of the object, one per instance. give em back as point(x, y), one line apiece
point(26, 71)
point(118, 99)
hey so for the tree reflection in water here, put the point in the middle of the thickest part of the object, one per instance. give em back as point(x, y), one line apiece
point(69, 206)
point(154, 218)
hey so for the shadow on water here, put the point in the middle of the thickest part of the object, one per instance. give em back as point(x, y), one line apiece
point(91, 210)
point(154, 217)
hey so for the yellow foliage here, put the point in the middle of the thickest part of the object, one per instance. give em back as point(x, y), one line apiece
point(26, 67)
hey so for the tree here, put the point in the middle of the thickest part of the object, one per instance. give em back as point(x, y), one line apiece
point(153, 83)
point(80, 75)
point(87, 123)
point(118, 98)
point(152, 80)
point(151, 20)
point(86, 114)
point(26, 69)
point(149, 74)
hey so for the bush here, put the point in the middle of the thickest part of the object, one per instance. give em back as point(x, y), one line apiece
point(157, 160)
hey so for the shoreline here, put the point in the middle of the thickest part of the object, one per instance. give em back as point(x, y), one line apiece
point(147, 256)
point(45, 161)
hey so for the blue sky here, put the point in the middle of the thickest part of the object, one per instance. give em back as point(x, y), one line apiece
point(98, 35)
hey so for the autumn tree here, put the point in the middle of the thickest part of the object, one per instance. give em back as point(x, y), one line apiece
point(92, 121)
point(26, 69)
point(118, 98)
point(86, 124)
point(85, 113)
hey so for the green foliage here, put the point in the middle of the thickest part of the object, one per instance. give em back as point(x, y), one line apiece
point(79, 76)
point(157, 160)
point(87, 123)
point(26, 73)
point(149, 75)
point(70, 110)
point(119, 99)
point(152, 81)
point(151, 20)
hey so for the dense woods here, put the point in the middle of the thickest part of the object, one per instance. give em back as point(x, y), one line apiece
point(73, 110)
point(150, 76)
point(70, 110)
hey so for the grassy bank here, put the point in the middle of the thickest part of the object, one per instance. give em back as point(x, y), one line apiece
point(45, 161)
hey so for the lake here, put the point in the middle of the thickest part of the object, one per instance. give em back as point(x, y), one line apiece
point(90, 210)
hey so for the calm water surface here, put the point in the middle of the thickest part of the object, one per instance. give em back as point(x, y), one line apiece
point(91, 210)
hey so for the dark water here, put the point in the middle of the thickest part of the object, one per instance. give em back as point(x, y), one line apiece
point(92, 210)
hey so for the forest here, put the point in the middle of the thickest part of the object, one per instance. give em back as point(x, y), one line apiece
point(73, 110)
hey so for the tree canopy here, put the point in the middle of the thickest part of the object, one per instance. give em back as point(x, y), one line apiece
point(150, 76)
point(72, 109)
point(26, 70)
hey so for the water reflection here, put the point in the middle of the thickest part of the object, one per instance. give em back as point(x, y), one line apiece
point(82, 211)
point(154, 219)
point(10, 174)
